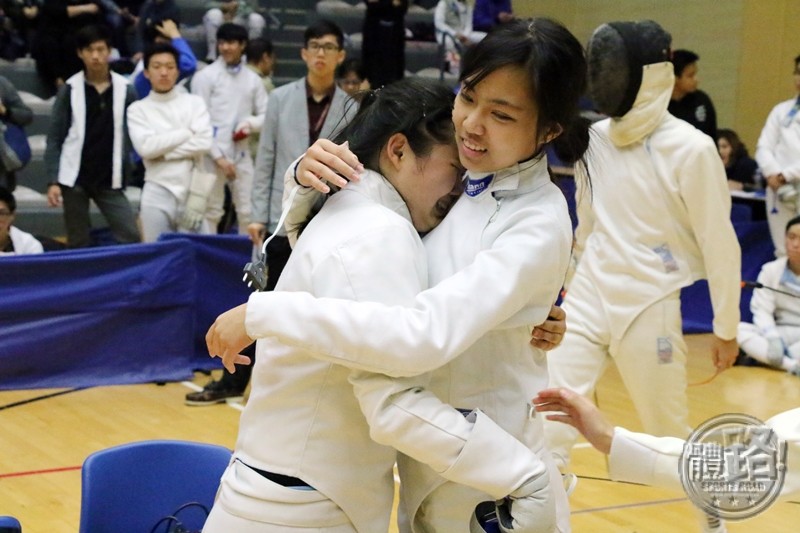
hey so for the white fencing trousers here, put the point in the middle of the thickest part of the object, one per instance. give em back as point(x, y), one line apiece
point(247, 502)
point(755, 344)
point(450, 506)
point(650, 357)
point(240, 187)
point(160, 212)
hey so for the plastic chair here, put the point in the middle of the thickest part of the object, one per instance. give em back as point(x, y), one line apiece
point(9, 524)
point(129, 488)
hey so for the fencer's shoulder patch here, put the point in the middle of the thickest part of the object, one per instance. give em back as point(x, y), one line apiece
point(475, 186)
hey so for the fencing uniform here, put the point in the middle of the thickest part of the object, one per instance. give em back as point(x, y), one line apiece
point(496, 264)
point(774, 334)
point(656, 219)
point(24, 243)
point(302, 418)
point(234, 96)
point(778, 152)
point(169, 131)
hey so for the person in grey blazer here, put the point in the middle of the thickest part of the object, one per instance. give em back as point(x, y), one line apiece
point(298, 114)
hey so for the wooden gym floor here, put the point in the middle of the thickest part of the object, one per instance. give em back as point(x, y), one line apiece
point(44, 442)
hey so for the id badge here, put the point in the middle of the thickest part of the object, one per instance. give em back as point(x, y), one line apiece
point(664, 347)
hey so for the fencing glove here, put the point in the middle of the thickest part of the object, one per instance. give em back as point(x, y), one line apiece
point(529, 509)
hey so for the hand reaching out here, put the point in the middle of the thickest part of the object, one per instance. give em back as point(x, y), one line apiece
point(579, 412)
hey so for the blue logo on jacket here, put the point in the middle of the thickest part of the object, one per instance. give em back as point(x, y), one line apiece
point(477, 186)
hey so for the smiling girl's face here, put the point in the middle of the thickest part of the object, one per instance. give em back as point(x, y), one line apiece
point(496, 121)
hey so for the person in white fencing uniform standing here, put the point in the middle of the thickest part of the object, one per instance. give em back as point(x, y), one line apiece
point(237, 103)
point(171, 131)
point(774, 336)
point(657, 219)
point(778, 157)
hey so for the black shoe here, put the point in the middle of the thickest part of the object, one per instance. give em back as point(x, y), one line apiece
point(213, 393)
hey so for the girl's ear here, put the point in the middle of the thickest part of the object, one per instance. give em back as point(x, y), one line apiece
point(396, 148)
point(552, 132)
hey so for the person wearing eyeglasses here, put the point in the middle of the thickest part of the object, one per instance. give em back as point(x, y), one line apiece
point(14, 241)
point(298, 114)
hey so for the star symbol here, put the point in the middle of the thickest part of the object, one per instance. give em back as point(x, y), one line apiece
point(750, 500)
point(733, 501)
point(715, 501)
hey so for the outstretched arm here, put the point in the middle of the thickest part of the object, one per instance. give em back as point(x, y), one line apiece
point(649, 460)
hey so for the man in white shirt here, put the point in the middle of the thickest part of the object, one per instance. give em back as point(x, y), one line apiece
point(170, 129)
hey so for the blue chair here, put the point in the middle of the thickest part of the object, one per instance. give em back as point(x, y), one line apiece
point(131, 487)
point(9, 524)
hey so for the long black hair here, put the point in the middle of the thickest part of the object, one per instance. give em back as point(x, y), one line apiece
point(418, 108)
point(556, 64)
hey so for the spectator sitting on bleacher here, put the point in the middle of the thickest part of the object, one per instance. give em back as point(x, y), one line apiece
point(774, 336)
point(453, 22)
point(171, 130)
point(54, 48)
point(15, 111)
point(242, 12)
point(14, 241)
point(87, 144)
point(165, 32)
point(490, 13)
point(741, 169)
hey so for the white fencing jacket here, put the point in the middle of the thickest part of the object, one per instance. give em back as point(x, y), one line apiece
point(771, 309)
point(642, 458)
point(24, 243)
point(657, 217)
point(778, 148)
point(233, 95)
point(69, 165)
point(496, 264)
point(169, 131)
point(302, 418)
